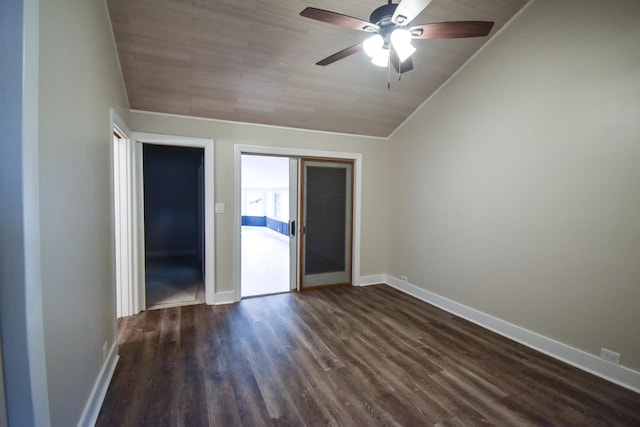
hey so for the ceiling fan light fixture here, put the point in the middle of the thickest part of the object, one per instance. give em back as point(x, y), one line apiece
point(390, 35)
point(401, 41)
point(400, 37)
point(405, 52)
point(373, 45)
point(381, 59)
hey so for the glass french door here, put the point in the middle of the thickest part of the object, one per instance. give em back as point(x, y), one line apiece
point(327, 218)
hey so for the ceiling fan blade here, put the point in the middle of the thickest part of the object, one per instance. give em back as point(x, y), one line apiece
point(338, 19)
point(401, 68)
point(342, 54)
point(407, 10)
point(451, 30)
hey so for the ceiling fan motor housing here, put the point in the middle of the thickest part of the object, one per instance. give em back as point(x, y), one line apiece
point(382, 15)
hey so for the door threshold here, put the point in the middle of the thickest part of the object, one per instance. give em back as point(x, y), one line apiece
point(336, 285)
point(173, 304)
point(266, 295)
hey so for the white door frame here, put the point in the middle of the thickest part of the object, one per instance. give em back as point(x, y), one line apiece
point(294, 216)
point(240, 149)
point(124, 226)
point(209, 220)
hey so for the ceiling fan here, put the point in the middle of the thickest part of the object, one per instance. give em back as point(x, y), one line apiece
point(390, 43)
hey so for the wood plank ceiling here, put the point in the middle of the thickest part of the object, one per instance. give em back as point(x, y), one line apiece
point(254, 61)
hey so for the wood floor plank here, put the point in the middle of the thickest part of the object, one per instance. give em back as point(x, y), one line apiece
point(293, 378)
point(387, 360)
point(167, 374)
point(193, 407)
point(250, 404)
point(343, 357)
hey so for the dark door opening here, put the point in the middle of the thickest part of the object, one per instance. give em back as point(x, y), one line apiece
point(173, 225)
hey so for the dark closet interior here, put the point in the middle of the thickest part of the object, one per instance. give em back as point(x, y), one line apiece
point(174, 223)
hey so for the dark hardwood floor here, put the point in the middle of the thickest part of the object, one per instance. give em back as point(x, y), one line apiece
point(343, 357)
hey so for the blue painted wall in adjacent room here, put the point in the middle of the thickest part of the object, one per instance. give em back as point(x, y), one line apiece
point(263, 221)
point(255, 221)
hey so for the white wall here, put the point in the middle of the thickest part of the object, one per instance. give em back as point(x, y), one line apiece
point(515, 189)
point(265, 172)
point(79, 81)
point(263, 177)
point(226, 135)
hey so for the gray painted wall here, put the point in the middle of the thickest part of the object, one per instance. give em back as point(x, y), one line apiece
point(3, 402)
point(514, 190)
point(24, 378)
point(79, 81)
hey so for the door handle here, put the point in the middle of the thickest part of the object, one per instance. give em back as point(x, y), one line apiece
point(292, 229)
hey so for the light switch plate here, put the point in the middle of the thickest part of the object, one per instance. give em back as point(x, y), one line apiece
point(220, 208)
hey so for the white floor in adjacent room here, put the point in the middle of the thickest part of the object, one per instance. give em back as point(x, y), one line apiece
point(265, 262)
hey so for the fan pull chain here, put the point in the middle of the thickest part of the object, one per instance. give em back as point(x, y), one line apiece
point(388, 75)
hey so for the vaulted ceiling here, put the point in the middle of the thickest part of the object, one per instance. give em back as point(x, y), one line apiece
point(254, 61)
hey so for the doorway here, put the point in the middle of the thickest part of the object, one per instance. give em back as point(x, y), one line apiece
point(205, 248)
point(325, 227)
point(297, 153)
point(268, 206)
point(173, 225)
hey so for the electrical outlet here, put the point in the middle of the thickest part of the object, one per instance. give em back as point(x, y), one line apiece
point(610, 356)
point(404, 278)
point(105, 349)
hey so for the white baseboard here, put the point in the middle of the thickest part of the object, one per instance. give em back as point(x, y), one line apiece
point(373, 279)
point(228, 297)
point(588, 362)
point(94, 403)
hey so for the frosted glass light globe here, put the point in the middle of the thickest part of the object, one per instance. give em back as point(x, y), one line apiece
point(373, 45)
point(401, 41)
